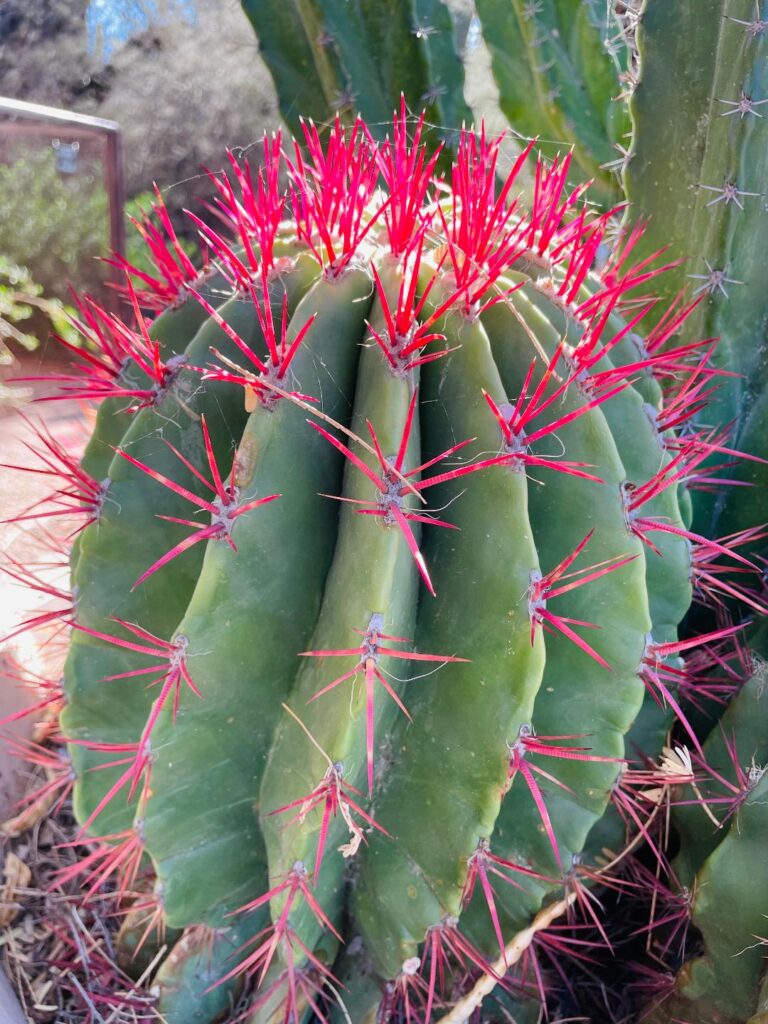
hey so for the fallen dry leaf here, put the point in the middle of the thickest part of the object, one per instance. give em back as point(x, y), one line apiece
point(17, 876)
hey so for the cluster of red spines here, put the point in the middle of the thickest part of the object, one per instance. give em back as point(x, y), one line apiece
point(77, 494)
point(671, 904)
point(559, 581)
point(714, 673)
point(100, 361)
point(268, 372)
point(394, 483)
point(332, 192)
point(170, 673)
point(225, 507)
point(47, 695)
point(252, 214)
point(713, 580)
point(515, 420)
point(115, 859)
point(408, 175)
point(58, 611)
point(689, 456)
point(527, 743)
point(722, 791)
point(334, 796)
point(337, 205)
point(549, 231)
point(174, 269)
point(53, 762)
point(481, 865)
point(407, 332)
point(369, 652)
point(110, 348)
point(484, 234)
point(446, 950)
point(303, 986)
point(280, 935)
point(662, 678)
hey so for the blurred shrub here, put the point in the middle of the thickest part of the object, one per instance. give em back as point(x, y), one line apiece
point(178, 109)
point(54, 224)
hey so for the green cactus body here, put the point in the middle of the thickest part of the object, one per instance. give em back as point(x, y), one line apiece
point(725, 868)
point(408, 886)
point(371, 590)
point(735, 515)
point(278, 453)
point(569, 676)
point(157, 605)
point(318, 55)
point(404, 647)
point(740, 734)
point(630, 418)
point(730, 900)
point(188, 983)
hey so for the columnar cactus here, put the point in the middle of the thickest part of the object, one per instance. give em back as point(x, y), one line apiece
point(699, 106)
point(384, 553)
point(561, 68)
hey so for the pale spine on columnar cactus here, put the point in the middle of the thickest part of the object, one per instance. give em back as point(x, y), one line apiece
point(394, 538)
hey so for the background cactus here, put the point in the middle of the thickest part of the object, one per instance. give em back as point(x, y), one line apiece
point(698, 107)
point(376, 601)
point(561, 68)
point(703, 79)
point(318, 55)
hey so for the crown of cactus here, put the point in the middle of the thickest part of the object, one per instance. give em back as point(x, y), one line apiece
point(385, 542)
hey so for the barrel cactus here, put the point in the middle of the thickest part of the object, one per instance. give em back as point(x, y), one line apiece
point(385, 543)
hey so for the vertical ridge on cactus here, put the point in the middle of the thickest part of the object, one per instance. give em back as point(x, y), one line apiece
point(398, 357)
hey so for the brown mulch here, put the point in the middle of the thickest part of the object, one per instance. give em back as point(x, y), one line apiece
point(59, 954)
